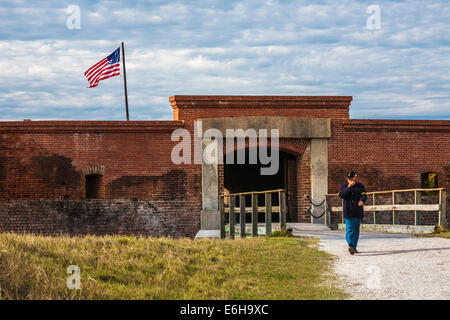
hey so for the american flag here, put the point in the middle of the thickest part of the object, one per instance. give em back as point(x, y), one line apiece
point(104, 69)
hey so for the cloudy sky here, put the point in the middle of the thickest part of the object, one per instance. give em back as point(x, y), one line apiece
point(247, 47)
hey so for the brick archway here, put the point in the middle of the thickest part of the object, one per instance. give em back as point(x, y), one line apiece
point(291, 131)
point(298, 175)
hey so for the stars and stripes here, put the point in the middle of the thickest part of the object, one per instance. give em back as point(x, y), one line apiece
point(104, 69)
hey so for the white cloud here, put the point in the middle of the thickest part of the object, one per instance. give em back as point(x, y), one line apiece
point(224, 47)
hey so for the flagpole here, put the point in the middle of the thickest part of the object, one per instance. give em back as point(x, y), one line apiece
point(125, 81)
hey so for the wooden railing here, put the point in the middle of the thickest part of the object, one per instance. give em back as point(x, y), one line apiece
point(254, 210)
point(394, 207)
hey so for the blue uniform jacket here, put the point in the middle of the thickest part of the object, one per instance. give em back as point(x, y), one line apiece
point(351, 197)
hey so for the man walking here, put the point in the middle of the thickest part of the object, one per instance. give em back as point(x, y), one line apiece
point(354, 195)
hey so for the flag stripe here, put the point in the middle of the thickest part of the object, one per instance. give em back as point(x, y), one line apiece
point(107, 75)
point(106, 68)
point(93, 74)
point(106, 71)
point(95, 65)
point(96, 70)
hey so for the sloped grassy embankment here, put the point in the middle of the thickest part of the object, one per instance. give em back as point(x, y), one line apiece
point(121, 267)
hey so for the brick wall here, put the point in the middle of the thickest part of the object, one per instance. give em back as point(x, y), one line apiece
point(389, 154)
point(100, 217)
point(45, 159)
point(189, 108)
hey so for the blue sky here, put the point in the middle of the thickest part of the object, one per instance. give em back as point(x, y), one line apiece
point(254, 47)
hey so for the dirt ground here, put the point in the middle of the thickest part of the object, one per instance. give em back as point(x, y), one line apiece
point(389, 266)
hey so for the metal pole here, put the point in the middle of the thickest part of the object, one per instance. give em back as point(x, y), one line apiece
point(125, 81)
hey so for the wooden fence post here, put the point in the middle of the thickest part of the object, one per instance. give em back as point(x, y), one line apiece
point(443, 208)
point(268, 198)
point(374, 212)
point(232, 218)
point(415, 211)
point(417, 214)
point(222, 217)
point(394, 216)
point(242, 215)
point(282, 203)
point(327, 212)
point(254, 214)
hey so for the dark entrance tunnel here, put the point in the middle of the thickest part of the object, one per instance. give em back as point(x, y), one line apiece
point(94, 186)
point(248, 177)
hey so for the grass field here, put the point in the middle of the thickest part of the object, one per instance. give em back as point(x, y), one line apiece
point(119, 267)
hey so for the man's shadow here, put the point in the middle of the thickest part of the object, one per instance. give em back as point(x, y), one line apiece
point(379, 253)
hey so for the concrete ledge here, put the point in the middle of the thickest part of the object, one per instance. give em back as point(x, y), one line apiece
point(208, 234)
point(233, 101)
point(89, 126)
point(308, 227)
point(288, 127)
point(396, 125)
point(396, 228)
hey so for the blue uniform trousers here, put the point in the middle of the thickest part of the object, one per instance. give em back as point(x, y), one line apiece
point(352, 230)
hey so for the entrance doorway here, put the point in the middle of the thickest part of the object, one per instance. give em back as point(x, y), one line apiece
point(247, 177)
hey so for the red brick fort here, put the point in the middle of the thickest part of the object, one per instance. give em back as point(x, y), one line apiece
point(102, 177)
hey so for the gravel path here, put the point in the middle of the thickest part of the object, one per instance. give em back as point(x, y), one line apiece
point(389, 266)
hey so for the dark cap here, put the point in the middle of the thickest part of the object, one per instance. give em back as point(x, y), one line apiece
point(351, 174)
